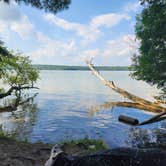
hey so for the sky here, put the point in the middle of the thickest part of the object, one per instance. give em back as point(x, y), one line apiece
point(102, 30)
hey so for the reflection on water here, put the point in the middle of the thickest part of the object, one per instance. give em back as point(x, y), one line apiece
point(62, 110)
point(147, 138)
point(18, 114)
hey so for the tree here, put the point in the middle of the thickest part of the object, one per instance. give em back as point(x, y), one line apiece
point(17, 72)
point(150, 64)
point(52, 6)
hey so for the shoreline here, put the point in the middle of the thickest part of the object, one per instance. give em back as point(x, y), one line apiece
point(22, 153)
point(76, 153)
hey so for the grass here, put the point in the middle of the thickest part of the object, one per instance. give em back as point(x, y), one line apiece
point(83, 146)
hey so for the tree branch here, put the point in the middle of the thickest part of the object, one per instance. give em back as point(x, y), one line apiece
point(2, 95)
point(142, 103)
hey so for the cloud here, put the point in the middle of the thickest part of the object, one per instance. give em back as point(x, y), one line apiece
point(9, 12)
point(23, 27)
point(132, 7)
point(108, 20)
point(12, 20)
point(117, 51)
point(88, 54)
point(86, 32)
point(52, 48)
point(124, 46)
point(121, 48)
point(91, 31)
point(47, 49)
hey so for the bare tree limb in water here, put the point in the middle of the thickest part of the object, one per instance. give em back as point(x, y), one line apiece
point(137, 102)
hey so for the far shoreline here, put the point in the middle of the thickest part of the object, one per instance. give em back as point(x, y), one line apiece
point(81, 68)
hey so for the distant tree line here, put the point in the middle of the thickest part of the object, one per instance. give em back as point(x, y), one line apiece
point(63, 67)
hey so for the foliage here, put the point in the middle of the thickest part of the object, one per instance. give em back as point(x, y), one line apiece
point(3, 50)
point(17, 72)
point(53, 6)
point(83, 146)
point(150, 64)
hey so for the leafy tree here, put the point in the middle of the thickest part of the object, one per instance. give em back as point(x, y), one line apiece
point(52, 6)
point(150, 64)
point(17, 72)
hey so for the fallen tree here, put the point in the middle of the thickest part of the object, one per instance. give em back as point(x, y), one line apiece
point(137, 102)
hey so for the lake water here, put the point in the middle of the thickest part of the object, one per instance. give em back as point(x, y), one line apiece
point(64, 109)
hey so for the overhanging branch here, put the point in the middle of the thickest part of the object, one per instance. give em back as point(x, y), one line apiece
point(9, 92)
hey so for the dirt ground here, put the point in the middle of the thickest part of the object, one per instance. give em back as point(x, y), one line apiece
point(13, 153)
point(16, 153)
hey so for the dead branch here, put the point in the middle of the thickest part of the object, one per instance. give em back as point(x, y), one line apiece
point(138, 101)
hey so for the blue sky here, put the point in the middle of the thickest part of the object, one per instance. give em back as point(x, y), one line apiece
point(102, 30)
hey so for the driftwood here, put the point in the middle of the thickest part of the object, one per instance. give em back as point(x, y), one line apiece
point(137, 102)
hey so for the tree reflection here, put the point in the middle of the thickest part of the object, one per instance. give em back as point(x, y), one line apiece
point(147, 138)
point(138, 137)
point(19, 114)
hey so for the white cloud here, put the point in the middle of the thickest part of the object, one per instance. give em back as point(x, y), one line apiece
point(11, 19)
point(52, 48)
point(42, 38)
point(108, 20)
point(88, 33)
point(23, 27)
point(9, 12)
point(124, 47)
point(88, 54)
point(121, 48)
point(91, 31)
point(132, 7)
point(115, 52)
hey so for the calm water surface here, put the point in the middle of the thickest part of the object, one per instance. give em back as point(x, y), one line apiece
point(65, 109)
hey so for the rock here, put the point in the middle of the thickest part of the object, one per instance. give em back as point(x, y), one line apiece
point(116, 157)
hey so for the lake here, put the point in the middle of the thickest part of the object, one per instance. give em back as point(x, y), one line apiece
point(66, 108)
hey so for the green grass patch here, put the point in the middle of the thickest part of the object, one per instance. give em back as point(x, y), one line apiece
point(83, 146)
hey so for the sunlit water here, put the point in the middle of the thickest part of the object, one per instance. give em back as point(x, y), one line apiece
point(63, 110)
